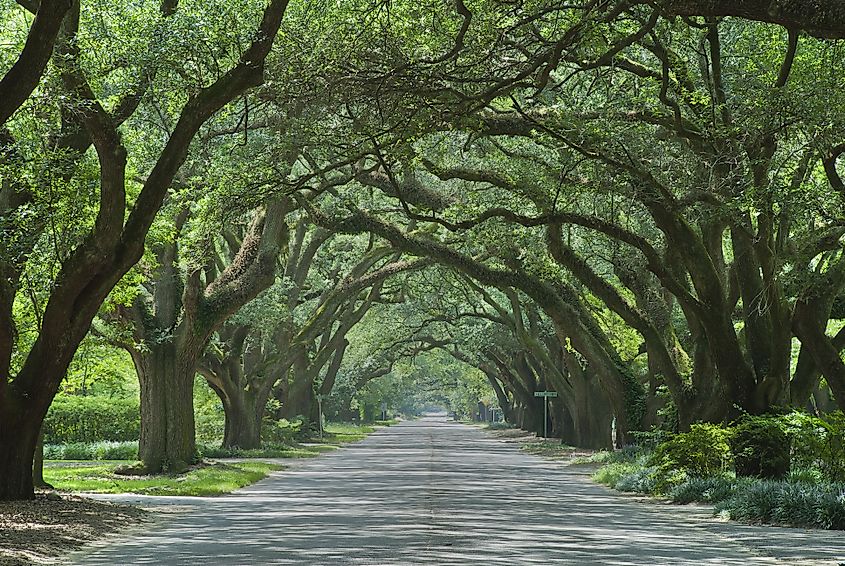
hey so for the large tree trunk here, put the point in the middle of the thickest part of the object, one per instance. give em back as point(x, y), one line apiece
point(38, 464)
point(590, 408)
point(243, 419)
point(167, 408)
point(300, 401)
point(19, 430)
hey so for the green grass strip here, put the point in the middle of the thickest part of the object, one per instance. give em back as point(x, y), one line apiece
point(214, 479)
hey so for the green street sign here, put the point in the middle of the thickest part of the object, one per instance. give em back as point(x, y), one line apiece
point(545, 394)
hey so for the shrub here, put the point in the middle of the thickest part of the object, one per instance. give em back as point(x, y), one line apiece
point(266, 451)
point(830, 510)
point(611, 474)
point(796, 504)
point(832, 464)
point(107, 450)
point(74, 419)
point(281, 431)
point(760, 447)
point(703, 451)
point(103, 450)
point(813, 476)
point(818, 443)
point(209, 425)
point(640, 480)
point(649, 440)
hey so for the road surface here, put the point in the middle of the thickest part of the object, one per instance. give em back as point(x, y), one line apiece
point(434, 492)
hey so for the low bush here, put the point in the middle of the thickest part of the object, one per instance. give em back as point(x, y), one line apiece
point(639, 480)
point(818, 443)
point(704, 490)
point(702, 452)
point(103, 450)
point(611, 474)
point(281, 431)
point(757, 502)
point(266, 451)
point(760, 447)
point(91, 419)
point(649, 440)
point(806, 452)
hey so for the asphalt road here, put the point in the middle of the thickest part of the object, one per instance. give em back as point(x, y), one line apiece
point(433, 492)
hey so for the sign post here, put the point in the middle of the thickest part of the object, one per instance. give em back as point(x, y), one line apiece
point(320, 412)
point(545, 395)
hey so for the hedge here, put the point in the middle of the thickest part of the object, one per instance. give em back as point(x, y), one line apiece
point(91, 419)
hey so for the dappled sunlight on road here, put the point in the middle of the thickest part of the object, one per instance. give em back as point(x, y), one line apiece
point(431, 492)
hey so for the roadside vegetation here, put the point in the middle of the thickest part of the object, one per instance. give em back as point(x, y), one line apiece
point(112, 466)
point(204, 480)
point(778, 469)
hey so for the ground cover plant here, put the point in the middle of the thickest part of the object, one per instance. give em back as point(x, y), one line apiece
point(742, 470)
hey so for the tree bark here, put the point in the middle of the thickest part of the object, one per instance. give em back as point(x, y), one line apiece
point(19, 81)
point(300, 401)
point(821, 19)
point(243, 420)
point(19, 430)
point(166, 375)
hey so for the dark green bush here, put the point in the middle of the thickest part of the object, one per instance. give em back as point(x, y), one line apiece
point(757, 502)
point(830, 510)
point(796, 504)
point(761, 447)
point(271, 450)
point(649, 440)
point(91, 419)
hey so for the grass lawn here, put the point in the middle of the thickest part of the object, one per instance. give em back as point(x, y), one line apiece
point(343, 433)
point(213, 479)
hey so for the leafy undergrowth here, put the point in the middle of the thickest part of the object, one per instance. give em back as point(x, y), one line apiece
point(212, 479)
point(797, 501)
point(102, 450)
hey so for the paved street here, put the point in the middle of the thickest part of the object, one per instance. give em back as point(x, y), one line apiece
point(433, 492)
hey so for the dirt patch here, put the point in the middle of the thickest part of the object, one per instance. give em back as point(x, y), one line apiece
point(42, 530)
point(512, 434)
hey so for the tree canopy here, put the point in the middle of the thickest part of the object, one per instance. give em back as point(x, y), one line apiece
point(638, 205)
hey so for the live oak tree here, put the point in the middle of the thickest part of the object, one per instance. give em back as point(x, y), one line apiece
point(725, 178)
point(317, 328)
point(111, 244)
point(175, 313)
